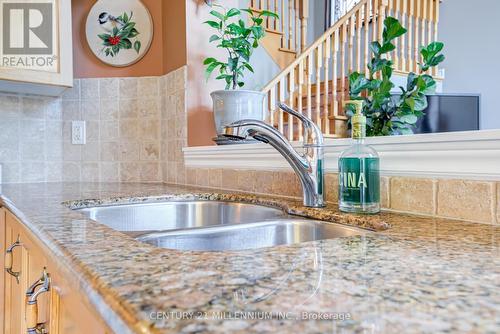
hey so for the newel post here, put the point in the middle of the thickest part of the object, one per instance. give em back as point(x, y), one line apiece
point(304, 18)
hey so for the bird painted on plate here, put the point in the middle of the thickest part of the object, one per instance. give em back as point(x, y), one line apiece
point(108, 22)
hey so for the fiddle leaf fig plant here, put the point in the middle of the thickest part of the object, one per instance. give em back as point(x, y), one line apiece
point(386, 113)
point(238, 39)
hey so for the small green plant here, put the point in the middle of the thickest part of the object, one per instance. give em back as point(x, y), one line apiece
point(123, 36)
point(387, 114)
point(239, 39)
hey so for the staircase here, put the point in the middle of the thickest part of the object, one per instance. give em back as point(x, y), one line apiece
point(315, 81)
point(285, 37)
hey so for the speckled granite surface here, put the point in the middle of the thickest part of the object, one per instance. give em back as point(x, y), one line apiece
point(420, 275)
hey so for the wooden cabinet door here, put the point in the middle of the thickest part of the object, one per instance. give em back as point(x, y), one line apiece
point(15, 289)
point(3, 247)
point(64, 309)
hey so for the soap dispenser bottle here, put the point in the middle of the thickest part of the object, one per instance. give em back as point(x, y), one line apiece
point(359, 173)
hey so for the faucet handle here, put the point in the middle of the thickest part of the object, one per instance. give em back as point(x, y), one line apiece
point(312, 134)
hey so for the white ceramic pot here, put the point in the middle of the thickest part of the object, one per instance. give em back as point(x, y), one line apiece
point(234, 105)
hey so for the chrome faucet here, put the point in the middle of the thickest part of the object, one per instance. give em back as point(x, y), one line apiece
point(307, 165)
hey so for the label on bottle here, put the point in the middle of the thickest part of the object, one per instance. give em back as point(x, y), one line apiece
point(359, 180)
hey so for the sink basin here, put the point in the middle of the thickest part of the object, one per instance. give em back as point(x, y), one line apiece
point(250, 235)
point(213, 225)
point(136, 219)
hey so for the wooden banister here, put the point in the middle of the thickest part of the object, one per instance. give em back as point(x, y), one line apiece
point(316, 84)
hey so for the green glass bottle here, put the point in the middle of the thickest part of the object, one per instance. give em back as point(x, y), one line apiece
point(359, 170)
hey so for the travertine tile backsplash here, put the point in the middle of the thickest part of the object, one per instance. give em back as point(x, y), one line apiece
point(477, 201)
point(132, 125)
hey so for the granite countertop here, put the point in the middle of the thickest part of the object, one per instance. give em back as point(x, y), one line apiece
point(413, 275)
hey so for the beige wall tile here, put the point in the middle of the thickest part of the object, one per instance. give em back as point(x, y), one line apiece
point(286, 184)
point(150, 172)
point(148, 86)
point(109, 172)
point(246, 180)
point(109, 88)
point(130, 172)
point(498, 203)
point(109, 109)
point(128, 88)
point(180, 171)
point(109, 130)
point(90, 110)
point(202, 177)
point(129, 130)
point(33, 151)
point(471, 200)
point(229, 179)
point(191, 176)
point(385, 192)
point(128, 108)
point(33, 171)
point(264, 182)
point(150, 151)
point(89, 88)
point(71, 171)
point(110, 151)
point(412, 195)
point(332, 187)
point(90, 172)
point(215, 177)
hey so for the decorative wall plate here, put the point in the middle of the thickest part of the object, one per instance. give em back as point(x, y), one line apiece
point(119, 33)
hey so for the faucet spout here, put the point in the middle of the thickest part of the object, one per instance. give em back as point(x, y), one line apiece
point(308, 165)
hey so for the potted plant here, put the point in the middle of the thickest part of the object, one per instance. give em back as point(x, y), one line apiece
point(386, 113)
point(239, 40)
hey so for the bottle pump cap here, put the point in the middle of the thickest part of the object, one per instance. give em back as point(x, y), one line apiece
point(358, 120)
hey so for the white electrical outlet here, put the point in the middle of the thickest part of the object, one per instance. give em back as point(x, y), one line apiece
point(78, 133)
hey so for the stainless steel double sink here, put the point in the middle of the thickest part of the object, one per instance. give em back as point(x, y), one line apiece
point(213, 225)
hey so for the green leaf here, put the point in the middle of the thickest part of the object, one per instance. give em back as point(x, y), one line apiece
point(249, 67)
point(387, 47)
point(133, 32)
point(213, 38)
point(410, 119)
point(126, 43)
point(125, 17)
point(420, 102)
point(430, 85)
point(115, 31)
point(357, 83)
point(269, 14)
point(375, 47)
point(214, 24)
point(210, 69)
point(104, 37)
point(218, 15)
point(137, 46)
point(393, 29)
point(208, 61)
point(233, 12)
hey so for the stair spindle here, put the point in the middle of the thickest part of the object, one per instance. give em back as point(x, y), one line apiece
point(366, 41)
point(291, 103)
point(300, 106)
point(326, 98)
point(358, 40)
point(319, 58)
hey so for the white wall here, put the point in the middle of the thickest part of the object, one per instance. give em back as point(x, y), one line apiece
point(471, 35)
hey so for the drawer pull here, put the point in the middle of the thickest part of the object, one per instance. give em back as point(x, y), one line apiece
point(9, 260)
point(36, 289)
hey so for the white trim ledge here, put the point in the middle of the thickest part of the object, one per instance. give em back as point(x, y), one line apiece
point(464, 155)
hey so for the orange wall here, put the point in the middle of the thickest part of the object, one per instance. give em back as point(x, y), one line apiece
point(167, 51)
point(201, 128)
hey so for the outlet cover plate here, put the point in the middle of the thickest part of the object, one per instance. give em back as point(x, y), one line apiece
point(78, 133)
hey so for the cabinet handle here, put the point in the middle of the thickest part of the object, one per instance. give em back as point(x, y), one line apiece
point(9, 260)
point(43, 286)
